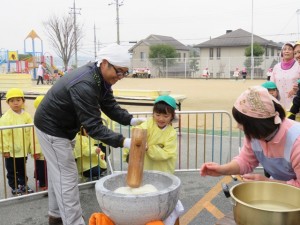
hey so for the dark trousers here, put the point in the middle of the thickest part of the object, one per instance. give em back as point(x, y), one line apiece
point(40, 79)
point(93, 172)
point(15, 171)
point(41, 172)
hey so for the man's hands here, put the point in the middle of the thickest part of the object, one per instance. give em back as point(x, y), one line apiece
point(127, 143)
point(137, 121)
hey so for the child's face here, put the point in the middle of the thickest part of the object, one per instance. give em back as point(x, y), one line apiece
point(16, 104)
point(162, 119)
point(297, 53)
point(273, 92)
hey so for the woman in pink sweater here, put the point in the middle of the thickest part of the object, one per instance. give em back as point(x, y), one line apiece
point(270, 140)
point(285, 75)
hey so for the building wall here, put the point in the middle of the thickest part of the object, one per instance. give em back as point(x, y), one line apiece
point(137, 62)
point(230, 59)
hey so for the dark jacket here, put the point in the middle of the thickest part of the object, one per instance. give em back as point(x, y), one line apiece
point(296, 105)
point(77, 99)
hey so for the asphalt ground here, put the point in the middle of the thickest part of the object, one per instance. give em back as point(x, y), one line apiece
point(202, 198)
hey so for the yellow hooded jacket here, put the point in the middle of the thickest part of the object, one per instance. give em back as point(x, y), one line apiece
point(89, 157)
point(162, 147)
point(13, 138)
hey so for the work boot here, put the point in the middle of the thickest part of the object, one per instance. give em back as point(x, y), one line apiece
point(55, 220)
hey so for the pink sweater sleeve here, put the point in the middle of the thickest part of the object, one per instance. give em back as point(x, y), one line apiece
point(246, 160)
point(295, 160)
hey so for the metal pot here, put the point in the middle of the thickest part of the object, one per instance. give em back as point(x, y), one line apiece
point(265, 203)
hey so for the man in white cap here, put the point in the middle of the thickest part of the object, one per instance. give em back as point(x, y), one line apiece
point(76, 100)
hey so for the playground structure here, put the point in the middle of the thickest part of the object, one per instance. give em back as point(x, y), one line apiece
point(27, 63)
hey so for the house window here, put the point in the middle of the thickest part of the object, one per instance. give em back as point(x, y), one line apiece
point(218, 53)
point(272, 52)
point(178, 56)
point(211, 53)
point(267, 53)
point(143, 56)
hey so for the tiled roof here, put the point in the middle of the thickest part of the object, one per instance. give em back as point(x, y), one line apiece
point(159, 39)
point(236, 38)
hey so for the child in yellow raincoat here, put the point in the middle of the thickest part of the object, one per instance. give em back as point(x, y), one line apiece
point(89, 157)
point(161, 152)
point(39, 158)
point(17, 142)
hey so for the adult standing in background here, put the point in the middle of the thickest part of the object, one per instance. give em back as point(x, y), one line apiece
point(40, 73)
point(205, 73)
point(149, 73)
point(244, 73)
point(285, 75)
point(75, 100)
point(236, 73)
point(269, 73)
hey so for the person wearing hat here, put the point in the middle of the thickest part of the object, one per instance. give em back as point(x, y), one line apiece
point(74, 101)
point(270, 140)
point(161, 152)
point(17, 143)
point(285, 75)
point(272, 89)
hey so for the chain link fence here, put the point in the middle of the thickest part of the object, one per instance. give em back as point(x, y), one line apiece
point(193, 67)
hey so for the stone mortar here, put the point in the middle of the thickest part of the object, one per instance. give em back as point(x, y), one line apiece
point(138, 209)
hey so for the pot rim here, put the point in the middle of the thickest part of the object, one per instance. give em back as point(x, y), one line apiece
point(258, 208)
point(176, 185)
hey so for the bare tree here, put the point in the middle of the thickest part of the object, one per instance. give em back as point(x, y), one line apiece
point(60, 32)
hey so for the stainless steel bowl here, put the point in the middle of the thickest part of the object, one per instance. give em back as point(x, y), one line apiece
point(265, 203)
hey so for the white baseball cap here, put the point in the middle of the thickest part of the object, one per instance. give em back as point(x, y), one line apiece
point(115, 54)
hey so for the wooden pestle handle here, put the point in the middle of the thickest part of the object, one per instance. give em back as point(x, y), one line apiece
point(136, 157)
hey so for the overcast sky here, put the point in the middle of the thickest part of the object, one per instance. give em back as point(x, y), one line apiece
point(189, 21)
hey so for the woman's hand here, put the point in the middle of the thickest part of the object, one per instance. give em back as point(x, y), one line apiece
point(211, 169)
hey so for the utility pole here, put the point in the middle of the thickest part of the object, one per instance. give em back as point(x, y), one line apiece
point(75, 11)
point(117, 18)
point(252, 59)
point(298, 13)
point(95, 42)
